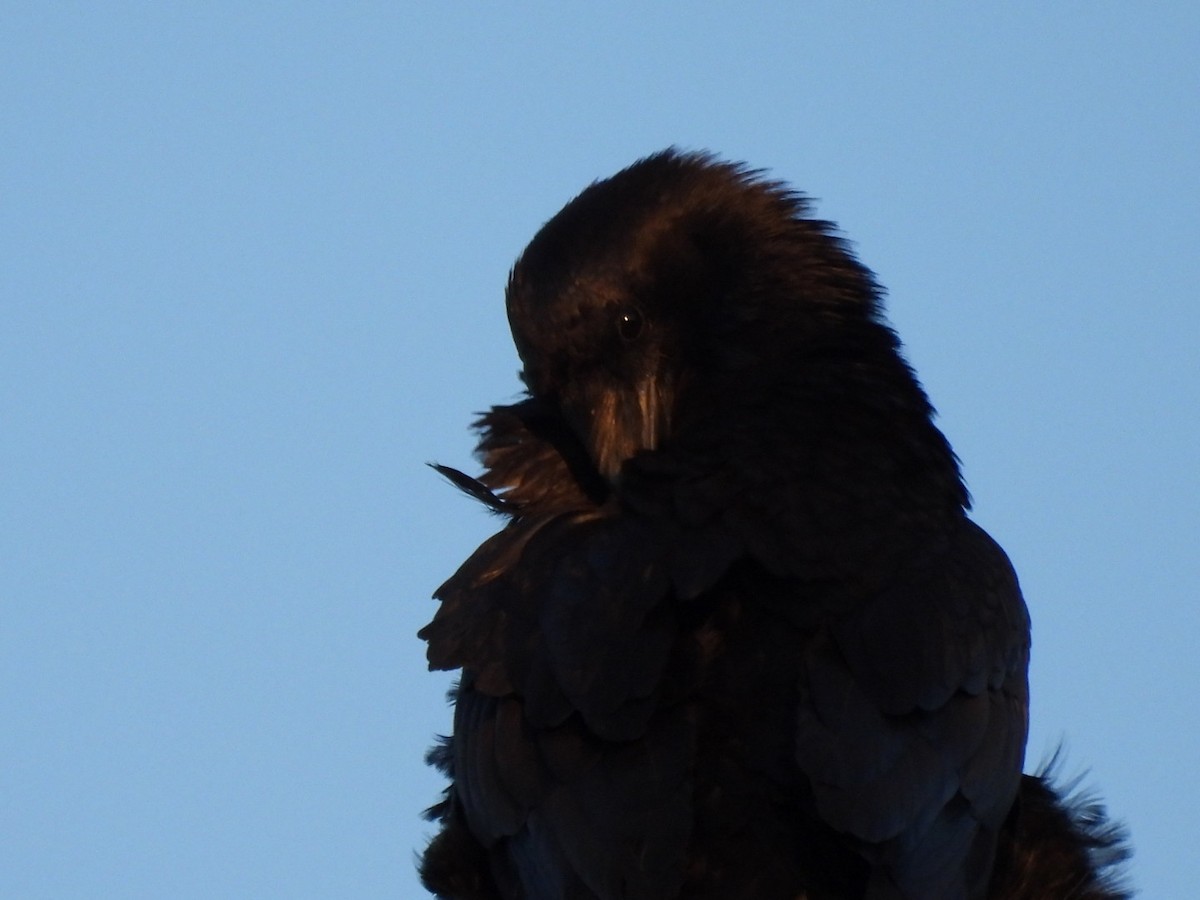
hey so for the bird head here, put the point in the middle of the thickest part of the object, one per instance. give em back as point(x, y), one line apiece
point(685, 290)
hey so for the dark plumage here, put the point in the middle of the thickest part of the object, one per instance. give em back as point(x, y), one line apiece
point(738, 638)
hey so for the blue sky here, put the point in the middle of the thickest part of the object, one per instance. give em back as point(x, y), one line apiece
point(253, 260)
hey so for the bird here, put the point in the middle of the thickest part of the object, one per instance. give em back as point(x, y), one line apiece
point(737, 636)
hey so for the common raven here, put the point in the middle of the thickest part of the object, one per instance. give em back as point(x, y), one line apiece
point(737, 637)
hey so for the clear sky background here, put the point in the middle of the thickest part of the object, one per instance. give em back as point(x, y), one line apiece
point(251, 268)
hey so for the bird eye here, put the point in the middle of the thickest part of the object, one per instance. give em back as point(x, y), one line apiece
point(630, 322)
